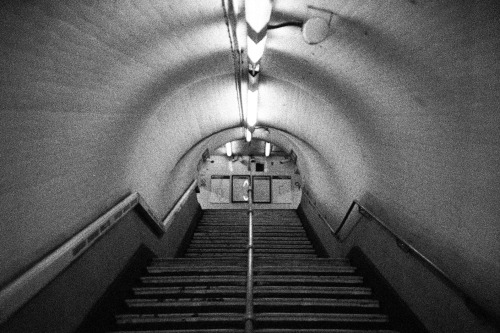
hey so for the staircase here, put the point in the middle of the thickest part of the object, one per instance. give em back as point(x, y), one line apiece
point(294, 289)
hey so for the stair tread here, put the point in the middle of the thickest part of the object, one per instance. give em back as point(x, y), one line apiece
point(217, 330)
point(330, 290)
point(278, 316)
point(295, 317)
point(276, 301)
point(204, 269)
point(319, 330)
point(178, 317)
point(241, 268)
point(308, 278)
point(306, 301)
point(193, 290)
point(239, 246)
point(233, 302)
point(193, 279)
point(315, 262)
point(295, 330)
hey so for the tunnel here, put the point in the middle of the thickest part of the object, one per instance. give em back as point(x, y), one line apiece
point(389, 104)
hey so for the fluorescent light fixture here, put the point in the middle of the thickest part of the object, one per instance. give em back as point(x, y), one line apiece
point(253, 105)
point(268, 149)
point(229, 150)
point(248, 135)
point(258, 13)
point(255, 51)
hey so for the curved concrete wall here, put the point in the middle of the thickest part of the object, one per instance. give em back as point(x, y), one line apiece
point(398, 107)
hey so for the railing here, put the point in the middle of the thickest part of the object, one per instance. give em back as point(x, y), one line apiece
point(473, 306)
point(167, 221)
point(22, 289)
point(249, 315)
point(310, 199)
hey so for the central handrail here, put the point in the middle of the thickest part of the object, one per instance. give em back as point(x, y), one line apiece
point(249, 314)
point(473, 306)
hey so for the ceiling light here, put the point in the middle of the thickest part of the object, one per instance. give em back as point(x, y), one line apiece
point(248, 135)
point(253, 105)
point(255, 51)
point(258, 13)
point(268, 149)
point(229, 150)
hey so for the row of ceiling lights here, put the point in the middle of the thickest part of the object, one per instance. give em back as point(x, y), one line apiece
point(257, 16)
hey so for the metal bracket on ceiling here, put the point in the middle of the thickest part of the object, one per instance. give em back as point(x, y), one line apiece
point(315, 28)
point(318, 24)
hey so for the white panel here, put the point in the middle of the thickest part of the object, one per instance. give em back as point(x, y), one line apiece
point(282, 190)
point(262, 189)
point(219, 189)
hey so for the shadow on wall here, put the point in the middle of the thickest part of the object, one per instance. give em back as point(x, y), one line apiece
point(443, 253)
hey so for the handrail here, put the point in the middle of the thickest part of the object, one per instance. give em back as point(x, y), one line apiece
point(332, 231)
point(473, 306)
point(167, 221)
point(249, 313)
point(27, 285)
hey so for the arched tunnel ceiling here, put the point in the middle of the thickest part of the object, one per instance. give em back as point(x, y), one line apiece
point(397, 105)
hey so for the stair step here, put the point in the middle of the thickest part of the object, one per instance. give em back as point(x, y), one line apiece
point(191, 280)
point(271, 317)
point(181, 305)
point(312, 291)
point(243, 242)
point(205, 304)
point(256, 235)
point(200, 330)
point(218, 255)
point(267, 269)
point(196, 262)
point(267, 261)
point(191, 291)
point(237, 246)
point(298, 330)
point(306, 279)
point(256, 250)
point(320, 318)
point(319, 330)
point(244, 227)
point(219, 270)
point(316, 302)
point(296, 262)
point(285, 256)
point(218, 249)
point(245, 223)
point(259, 291)
point(222, 317)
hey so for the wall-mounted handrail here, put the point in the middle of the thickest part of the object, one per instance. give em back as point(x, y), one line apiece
point(167, 221)
point(473, 306)
point(27, 285)
point(332, 231)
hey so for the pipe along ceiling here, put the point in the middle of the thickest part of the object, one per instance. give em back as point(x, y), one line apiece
point(391, 102)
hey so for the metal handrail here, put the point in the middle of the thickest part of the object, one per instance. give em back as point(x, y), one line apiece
point(473, 306)
point(332, 231)
point(249, 314)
